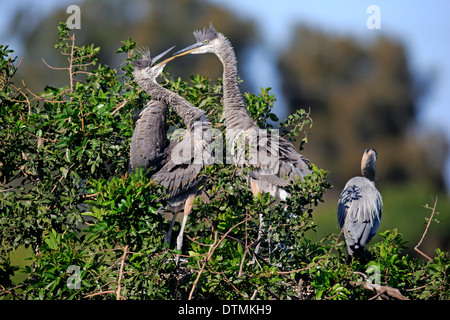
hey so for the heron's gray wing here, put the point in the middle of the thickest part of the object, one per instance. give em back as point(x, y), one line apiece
point(279, 162)
point(292, 163)
point(359, 211)
point(376, 217)
point(149, 141)
point(181, 172)
point(179, 179)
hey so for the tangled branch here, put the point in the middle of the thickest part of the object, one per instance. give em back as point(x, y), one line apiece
point(118, 282)
point(380, 290)
point(211, 250)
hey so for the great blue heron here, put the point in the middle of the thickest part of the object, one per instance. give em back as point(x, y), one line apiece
point(276, 162)
point(289, 163)
point(360, 206)
point(176, 164)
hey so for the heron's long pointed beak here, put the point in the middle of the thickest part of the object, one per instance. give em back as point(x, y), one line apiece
point(187, 50)
point(159, 56)
point(164, 62)
point(182, 52)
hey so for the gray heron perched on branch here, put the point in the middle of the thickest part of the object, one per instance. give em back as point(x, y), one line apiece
point(277, 162)
point(360, 206)
point(176, 165)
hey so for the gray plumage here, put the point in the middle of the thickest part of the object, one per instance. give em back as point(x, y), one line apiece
point(289, 164)
point(151, 149)
point(149, 144)
point(360, 206)
point(176, 165)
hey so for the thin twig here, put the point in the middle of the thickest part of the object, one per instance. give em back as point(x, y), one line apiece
point(45, 139)
point(56, 184)
point(392, 292)
point(421, 287)
point(82, 64)
point(119, 107)
point(208, 256)
point(7, 79)
point(44, 99)
point(377, 295)
point(71, 63)
point(125, 251)
point(361, 274)
point(81, 71)
point(54, 68)
point(426, 230)
point(200, 244)
point(98, 293)
point(315, 264)
point(5, 291)
point(211, 252)
point(273, 294)
point(245, 251)
point(26, 97)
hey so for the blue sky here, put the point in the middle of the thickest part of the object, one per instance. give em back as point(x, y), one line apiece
point(423, 26)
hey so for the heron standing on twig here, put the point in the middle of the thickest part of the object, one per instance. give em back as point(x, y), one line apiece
point(360, 206)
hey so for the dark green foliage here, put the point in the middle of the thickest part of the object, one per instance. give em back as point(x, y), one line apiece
point(94, 230)
point(260, 106)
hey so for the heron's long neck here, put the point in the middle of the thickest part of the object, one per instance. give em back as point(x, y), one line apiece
point(369, 173)
point(183, 108)
point(235, 112)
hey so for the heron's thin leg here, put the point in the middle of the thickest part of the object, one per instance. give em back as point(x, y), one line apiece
point(187, 210)
point(169, 233)
point(180, 235)
point(256, 191)
point(254, 187)
point(260, 232)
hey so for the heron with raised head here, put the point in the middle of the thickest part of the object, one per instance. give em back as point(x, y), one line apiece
point(267, 176)
point(360, 206)
point(176, 165)
point(276, 162)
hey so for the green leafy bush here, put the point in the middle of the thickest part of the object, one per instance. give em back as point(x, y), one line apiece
point(94, 231)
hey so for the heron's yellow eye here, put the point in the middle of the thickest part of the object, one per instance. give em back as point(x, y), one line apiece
point(206, 41)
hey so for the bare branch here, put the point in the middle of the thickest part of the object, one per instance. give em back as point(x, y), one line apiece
point(26, 97)
point(119, 287)
point(120, 107)
point(83, 64)
point(80, 71)
point(416, 248)
point(6, 80)
point(99, 293)
point(54, 68)
point(379, 289)
point(121, 273)
point(211, 252)
point(71, 62)
point(44, 99)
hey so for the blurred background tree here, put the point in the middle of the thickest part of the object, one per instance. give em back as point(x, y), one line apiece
point(361, 93)
point(156, 24)
point(366, 95)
